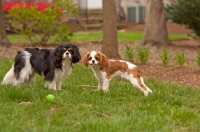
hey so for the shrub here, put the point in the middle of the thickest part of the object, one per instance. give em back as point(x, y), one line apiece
point(186, 12)
point(67, 7)
point(180, 58)
point(129, 54)
point(40, 6)
point(38, 22)
point(143, 54)
point(164, 56)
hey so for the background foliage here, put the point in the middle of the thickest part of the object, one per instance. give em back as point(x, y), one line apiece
point(186, 12)
point(40, 21)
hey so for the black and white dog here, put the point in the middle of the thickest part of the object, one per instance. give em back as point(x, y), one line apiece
point(53, 65)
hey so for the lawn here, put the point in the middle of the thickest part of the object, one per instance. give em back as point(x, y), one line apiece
point(122, 36)
point(78, 108)
point(97, 36)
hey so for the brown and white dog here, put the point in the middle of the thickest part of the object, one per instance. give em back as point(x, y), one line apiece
point(105, 70)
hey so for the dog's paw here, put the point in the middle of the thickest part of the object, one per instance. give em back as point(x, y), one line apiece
point(147, 92)
point(105, 91)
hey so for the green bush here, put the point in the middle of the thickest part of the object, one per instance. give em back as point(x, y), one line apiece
point(164, 56)
point(129, 54)
point(39, 26)
point(143, 54)
point(186, 12)
point(180, 58)
point(67, 7)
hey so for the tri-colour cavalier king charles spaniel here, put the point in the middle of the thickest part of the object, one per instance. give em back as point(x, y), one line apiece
point(52, 64)
point(105, 70)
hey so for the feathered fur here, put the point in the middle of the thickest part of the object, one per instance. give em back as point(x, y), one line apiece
point(105, 70)
point(53, 65)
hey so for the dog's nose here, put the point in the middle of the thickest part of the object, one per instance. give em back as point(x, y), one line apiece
point(67, 53)
point(93, 61)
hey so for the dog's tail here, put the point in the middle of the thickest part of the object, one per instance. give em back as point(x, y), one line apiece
point(20, 61)
point(20, 70)
point(9, 77)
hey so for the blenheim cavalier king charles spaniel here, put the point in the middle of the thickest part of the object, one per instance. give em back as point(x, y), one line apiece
point(105, 70)
point(53, 65)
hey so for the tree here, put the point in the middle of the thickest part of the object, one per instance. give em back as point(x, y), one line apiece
point(110, 42)
point(186, 12)
point(155, 31)
point(3, 37)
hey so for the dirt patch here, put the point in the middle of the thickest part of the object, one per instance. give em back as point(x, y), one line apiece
point(186, 75)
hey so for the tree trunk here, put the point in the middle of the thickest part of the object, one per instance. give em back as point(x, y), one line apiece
point(3, 37)
point(155, 31)
point(110, 42)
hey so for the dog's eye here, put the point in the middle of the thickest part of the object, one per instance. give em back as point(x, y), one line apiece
point(71, 51)
point(63, 50)
point(90, 58)
point(97, 58)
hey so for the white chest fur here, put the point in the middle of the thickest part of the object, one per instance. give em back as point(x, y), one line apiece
point(98, 74)
point(66, 70)
point(59, 75)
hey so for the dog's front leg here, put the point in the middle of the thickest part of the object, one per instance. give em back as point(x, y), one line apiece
point(51, 84)
point(105, 85)
point(58, 85)
point(100, 84)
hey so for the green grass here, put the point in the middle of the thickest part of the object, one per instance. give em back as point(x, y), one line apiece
point(98, 36)
point(78, 108)
point(122, 36)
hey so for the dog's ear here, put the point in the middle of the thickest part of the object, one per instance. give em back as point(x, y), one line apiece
point(58, 56)
point(76, 57)
point(103, 60)
point(85, 59)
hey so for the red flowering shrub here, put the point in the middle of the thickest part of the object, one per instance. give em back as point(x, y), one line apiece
point(39, 21)
point(40, 6)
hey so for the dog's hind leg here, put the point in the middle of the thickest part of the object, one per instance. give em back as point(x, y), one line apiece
point(30, 79)
point(147, 91)
point(139, 83)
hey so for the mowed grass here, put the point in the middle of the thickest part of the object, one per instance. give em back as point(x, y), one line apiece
point(122, 36)
point(77, 108)
point(98, 36)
